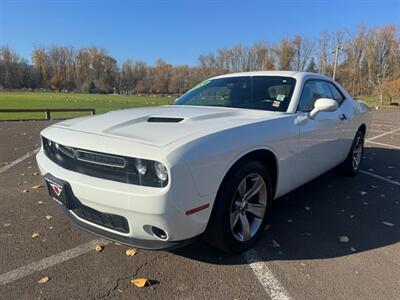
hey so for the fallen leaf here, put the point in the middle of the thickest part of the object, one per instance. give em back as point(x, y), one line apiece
point(49, 217)
point(387, 223)
point(344, 239)
point(307, 208)
point(37, 186)
point(99, 248)
point(140, 282)
point(44, 280)
point(363, 193)
point(131, 252)
point(275, 244)
point(35, 235)
point(40, 202)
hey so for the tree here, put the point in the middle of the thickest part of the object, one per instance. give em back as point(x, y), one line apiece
point(391, 89)
point(302, 49)
point(312, 67)
point(381, 58)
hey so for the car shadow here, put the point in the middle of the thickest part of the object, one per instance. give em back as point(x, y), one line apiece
point(309, 222)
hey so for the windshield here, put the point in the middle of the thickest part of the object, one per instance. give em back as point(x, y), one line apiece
point(257, 92)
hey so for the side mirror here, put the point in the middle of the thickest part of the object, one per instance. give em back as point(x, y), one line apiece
point(323, 104)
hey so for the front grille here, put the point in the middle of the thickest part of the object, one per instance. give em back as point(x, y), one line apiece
point(100, 159)
point(111, 221)
point(101, 165)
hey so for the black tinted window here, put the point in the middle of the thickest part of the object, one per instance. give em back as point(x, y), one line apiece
point(312, 91)
point(336, 94)
point(258, 92)
point(272, 93)
point(228, 92)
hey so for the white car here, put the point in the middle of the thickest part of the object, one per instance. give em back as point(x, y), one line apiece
point(209, 165)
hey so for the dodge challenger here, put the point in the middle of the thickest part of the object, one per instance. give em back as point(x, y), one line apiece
point(209, 165)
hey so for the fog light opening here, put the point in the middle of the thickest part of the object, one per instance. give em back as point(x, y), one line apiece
point(159, 233)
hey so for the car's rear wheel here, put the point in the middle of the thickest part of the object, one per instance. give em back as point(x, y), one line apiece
point(353, 161)
point(240, 209)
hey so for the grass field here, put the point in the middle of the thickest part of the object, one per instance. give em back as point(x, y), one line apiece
point(102, 103)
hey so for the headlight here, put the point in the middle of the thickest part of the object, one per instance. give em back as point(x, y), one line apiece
point(141, 166)
point(161, 171)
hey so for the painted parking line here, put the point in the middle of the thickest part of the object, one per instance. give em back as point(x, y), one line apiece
point(18, 160)
point(264, 275)
point(49, 261)
point(383, 134)
point(385, 145)
point(380, 177)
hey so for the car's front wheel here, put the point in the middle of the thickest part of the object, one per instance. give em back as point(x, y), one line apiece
point(240, 209)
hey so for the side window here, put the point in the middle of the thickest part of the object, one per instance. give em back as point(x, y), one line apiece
point(336, 94)
point(312, 91)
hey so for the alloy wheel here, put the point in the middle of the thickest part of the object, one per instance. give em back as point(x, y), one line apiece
point(248, 207)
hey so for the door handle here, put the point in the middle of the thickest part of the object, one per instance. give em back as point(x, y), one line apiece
point(343, 117)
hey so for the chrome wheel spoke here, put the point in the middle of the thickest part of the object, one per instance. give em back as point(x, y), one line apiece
point(257, 210)
point(258, 184)
point(355, 161)
point(242, 188)
point(234, 219)
point(245, 227)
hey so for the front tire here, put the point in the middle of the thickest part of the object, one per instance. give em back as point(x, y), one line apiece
point(353, 161)
point(240, 209)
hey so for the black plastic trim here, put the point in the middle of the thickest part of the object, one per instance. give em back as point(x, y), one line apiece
point(164, 120)
point(108, 167)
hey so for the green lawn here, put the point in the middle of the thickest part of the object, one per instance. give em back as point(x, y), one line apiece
point(102, 103)
point(371, 101)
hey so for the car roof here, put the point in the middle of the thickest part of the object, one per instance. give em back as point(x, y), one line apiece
point(295, 74)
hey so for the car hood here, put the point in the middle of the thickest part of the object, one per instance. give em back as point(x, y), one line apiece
point(160, 126)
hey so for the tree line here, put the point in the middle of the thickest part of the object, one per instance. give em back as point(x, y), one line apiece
point(366, 61)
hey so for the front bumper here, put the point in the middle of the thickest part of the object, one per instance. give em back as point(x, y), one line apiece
point(141, 206)
point(129, 241)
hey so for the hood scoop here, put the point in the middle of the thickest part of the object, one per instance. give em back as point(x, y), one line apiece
point(164, 120)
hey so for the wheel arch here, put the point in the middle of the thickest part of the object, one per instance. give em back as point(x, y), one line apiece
point(264, 155)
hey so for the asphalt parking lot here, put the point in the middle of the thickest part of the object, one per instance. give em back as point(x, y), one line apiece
point(300, 256)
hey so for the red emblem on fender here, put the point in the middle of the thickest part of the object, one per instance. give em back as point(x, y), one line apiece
point(56, 188)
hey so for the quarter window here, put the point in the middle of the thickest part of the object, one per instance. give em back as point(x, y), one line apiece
point(336, 94)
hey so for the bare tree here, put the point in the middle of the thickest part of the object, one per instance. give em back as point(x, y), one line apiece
point(303, 49)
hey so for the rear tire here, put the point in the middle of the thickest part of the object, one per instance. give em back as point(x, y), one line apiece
point(240, 209)
point(353, 161)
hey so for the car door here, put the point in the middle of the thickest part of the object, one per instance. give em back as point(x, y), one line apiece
point(348, 126)
point(319, 147)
